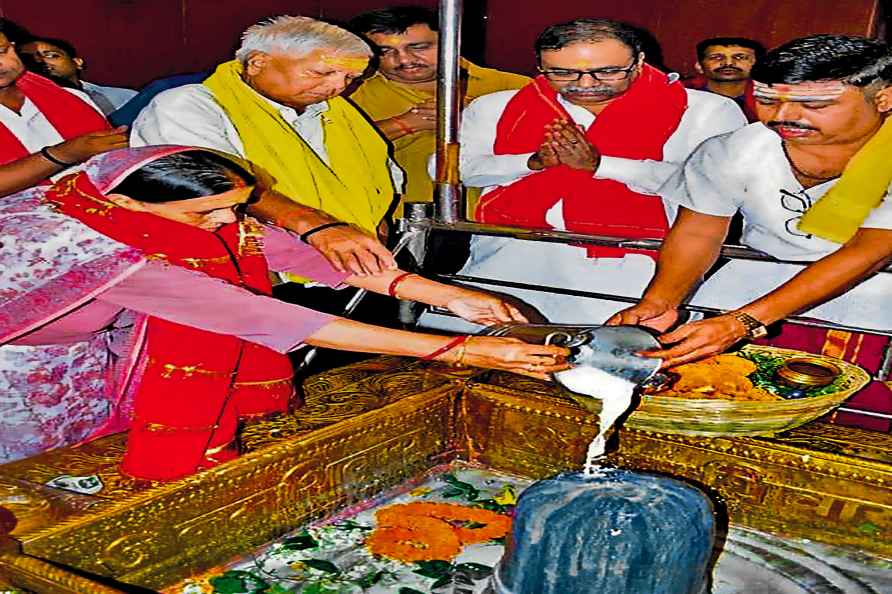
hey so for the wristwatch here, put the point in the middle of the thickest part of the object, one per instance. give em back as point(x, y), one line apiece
point(754, 328)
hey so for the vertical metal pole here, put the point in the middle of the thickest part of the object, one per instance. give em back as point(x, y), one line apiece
point(448, 105)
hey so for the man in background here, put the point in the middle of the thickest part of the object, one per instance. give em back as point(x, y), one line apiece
point(724, 65)
point(59, 59)
point(44, 129)
point(401, 96)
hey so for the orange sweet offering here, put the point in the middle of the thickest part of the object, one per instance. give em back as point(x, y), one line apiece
point(722, 377)
point(423, 531)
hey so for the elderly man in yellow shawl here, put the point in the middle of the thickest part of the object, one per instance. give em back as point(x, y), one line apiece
point(277, 105)
point(401, 96)
point(812, 181)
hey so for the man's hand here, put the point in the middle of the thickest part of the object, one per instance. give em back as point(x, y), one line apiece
point(420, 117)
point(349, 249)
point(544, 157)
point(698, 340)
point(83, 147)
point(646, 313)
point(572, 147)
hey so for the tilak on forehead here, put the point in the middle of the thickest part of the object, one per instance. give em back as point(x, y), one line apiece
point(807, 91)
point(351, 63)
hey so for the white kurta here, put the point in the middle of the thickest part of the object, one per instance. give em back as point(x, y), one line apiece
point(746, 170)
point(189, 115)
point(566, 266)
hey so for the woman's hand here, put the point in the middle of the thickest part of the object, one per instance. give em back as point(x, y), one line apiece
point(481, 308)
point(509, 354)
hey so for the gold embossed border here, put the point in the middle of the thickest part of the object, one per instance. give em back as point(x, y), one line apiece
point(165, 534)
point(777, 487)
point(522, 433)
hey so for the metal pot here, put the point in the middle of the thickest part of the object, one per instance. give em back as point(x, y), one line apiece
point(608, 348)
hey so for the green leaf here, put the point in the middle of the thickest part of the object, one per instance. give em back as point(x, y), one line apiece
point(352, 525)
point(224, 584)
point(300, 542)
point(238, 582)
point(457, 487)
point(277, 589)
point(321, 565)
point(405, 590)
point(433, 569)
point(474, 525)
point(443, 581)
point(370, 579)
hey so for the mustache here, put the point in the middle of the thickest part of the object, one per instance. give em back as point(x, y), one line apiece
point(786, 124)
point(574, 90)
point(735, 68)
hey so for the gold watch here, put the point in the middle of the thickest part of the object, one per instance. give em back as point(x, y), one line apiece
point(754, 328)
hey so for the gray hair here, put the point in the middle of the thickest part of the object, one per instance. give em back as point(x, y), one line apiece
point(298, 35)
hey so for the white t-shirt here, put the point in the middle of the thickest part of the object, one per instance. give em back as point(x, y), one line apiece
point(746, 170)
point(32, 128)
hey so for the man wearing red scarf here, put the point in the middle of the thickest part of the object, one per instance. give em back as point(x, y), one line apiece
point(584, 147)
point(43, 127)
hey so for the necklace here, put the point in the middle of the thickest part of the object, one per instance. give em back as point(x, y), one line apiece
point(805, 174)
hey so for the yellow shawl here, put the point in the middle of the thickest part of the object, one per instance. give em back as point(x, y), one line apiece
point(838, 214)
point(382, 99)
point(356, 187)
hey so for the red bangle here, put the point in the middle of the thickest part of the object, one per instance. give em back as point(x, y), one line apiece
point(446, 347)
point(401, 125)
point(391, 290)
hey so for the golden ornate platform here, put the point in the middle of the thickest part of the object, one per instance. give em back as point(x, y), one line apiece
point(372, 425)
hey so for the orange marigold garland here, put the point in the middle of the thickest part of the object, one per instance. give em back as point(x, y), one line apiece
point(425, 540)
point(424, 531)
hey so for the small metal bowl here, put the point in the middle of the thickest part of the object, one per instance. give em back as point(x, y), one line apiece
point(807, 373)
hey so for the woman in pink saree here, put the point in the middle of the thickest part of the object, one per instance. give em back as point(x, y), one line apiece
point(104, 311)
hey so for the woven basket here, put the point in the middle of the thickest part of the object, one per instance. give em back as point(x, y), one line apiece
point(728, 417)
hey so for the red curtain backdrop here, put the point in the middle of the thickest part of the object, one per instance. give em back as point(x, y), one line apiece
point(130, 42)
point(513, 25)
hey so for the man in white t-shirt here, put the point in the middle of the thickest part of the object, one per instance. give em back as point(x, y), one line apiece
point(584, 147)
point(44, 129)
point(820, 100)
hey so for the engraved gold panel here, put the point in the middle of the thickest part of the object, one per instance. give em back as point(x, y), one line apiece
point(163, 534)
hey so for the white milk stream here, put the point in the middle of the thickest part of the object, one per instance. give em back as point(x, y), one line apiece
point(615, 394)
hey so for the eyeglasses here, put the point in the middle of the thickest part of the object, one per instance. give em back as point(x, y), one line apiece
point(797, 202)
point(599, 74)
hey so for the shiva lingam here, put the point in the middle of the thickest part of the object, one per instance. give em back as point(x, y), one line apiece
point(605, 530)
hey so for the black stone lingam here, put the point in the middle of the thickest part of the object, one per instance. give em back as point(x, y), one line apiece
point(616, 532)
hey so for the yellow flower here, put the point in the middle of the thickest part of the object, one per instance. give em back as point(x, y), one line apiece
point(507, 496)
point(420, 491)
